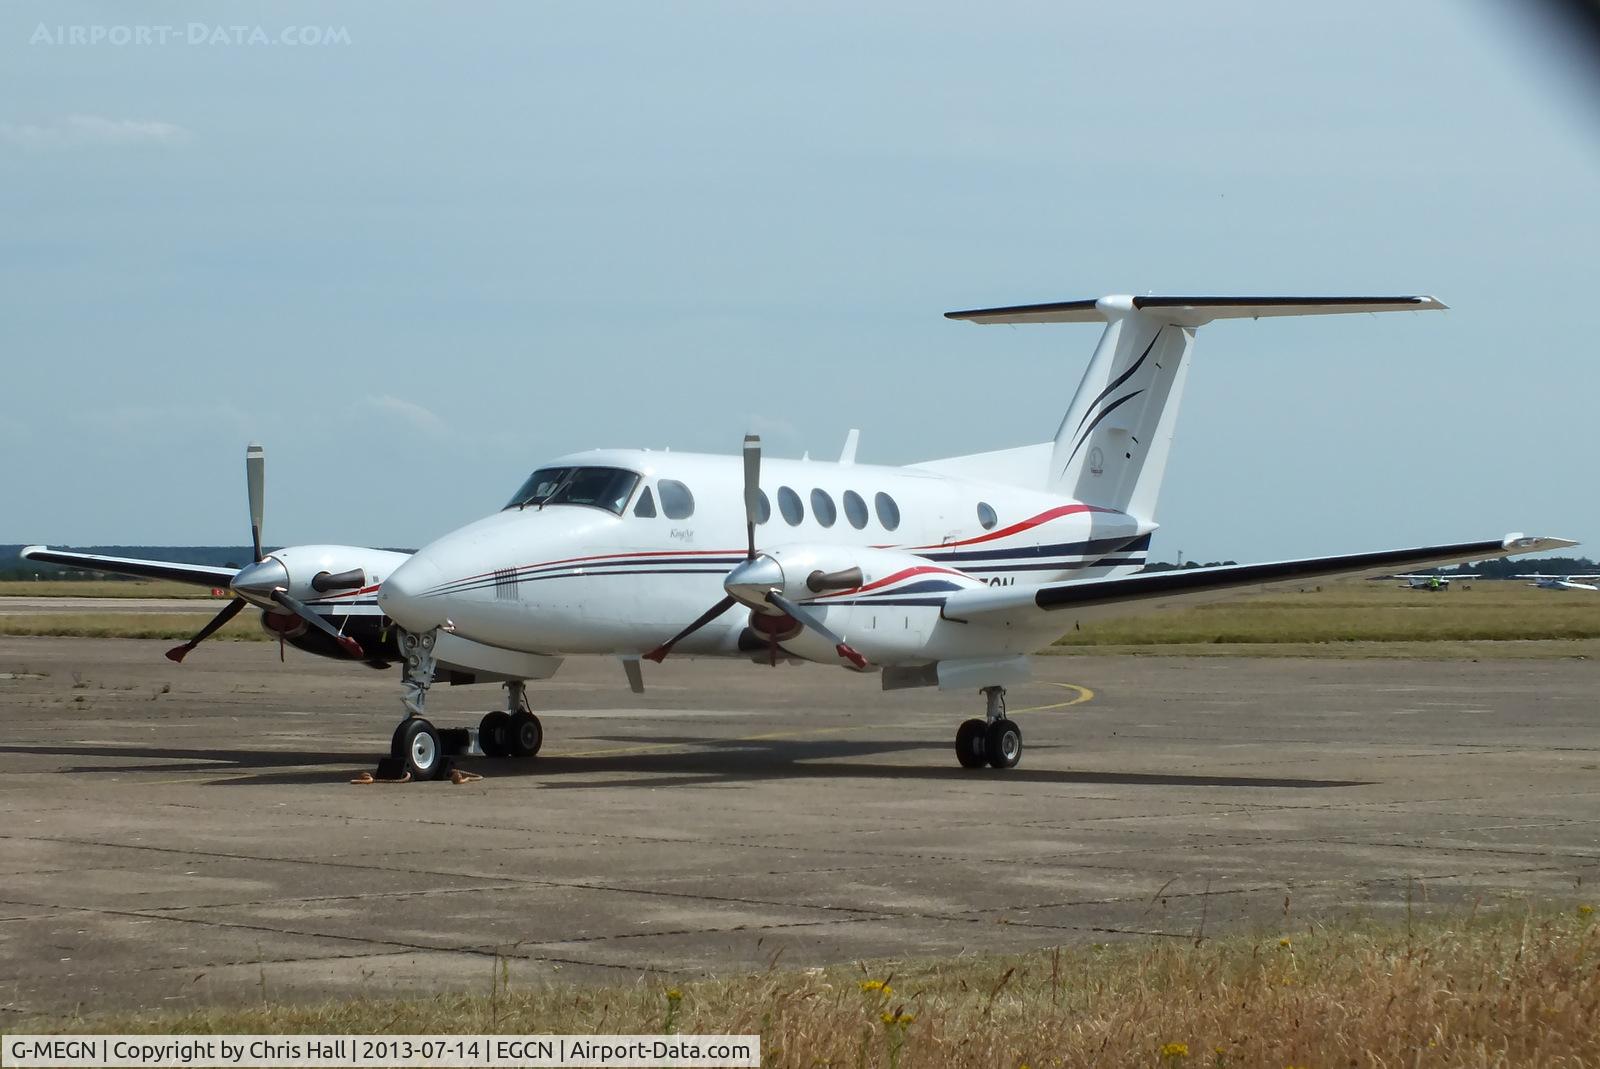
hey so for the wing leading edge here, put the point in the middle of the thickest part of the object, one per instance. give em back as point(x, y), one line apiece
point(1097, 599)
point(198, 574)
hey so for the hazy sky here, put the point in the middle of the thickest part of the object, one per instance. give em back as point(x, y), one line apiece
point(457, 240)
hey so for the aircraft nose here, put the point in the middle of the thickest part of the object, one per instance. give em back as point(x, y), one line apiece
point(256, 582)
point(404, 595)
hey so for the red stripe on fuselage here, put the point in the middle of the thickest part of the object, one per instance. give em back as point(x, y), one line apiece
point(1025, 525)
point(906, 573)
point(1004, 532)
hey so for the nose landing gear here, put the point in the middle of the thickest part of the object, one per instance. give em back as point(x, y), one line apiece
point(416, 748)
point(995, 741)
point(420, 751)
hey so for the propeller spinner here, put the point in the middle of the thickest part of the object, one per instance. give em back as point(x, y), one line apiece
point(758, 582)
point(265, 581)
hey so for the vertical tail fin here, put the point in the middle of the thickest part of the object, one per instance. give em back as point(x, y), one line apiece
point(1112, 447)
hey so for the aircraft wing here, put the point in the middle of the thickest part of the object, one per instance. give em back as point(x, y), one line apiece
point(1099, 599)
point(198, 574)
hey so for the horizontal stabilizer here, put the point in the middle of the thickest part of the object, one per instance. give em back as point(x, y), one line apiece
point(1191, 311)
point(1097, 599)
point(199, 574)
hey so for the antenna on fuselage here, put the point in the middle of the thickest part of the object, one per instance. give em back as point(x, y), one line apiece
point(847, 455)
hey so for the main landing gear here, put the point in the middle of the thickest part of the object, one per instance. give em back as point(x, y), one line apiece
point(513, 731)
point(422, 751)
point(995, 741)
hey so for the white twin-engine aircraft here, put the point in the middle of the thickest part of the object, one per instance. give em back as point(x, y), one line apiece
point(948, 573)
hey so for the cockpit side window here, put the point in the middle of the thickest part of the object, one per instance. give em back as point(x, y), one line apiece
point(677, 503)
point(647, 504)
point(601, 488)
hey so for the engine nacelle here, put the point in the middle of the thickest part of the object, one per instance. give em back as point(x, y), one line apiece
point(856, 589)
point(339, 583)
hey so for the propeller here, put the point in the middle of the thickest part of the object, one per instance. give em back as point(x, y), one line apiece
point(229, 611)
point(265, 578)
point(752, 508)
point(757, 580)
point(806, 618)
point(255, 477)
point(300, 609)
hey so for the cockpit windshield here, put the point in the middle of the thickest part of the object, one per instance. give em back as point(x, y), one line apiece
point(601, 488)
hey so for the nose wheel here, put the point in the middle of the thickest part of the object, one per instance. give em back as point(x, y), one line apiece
point(995, 741)
point(418, 747)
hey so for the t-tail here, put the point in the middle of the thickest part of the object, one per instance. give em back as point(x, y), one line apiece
point(1112, 447)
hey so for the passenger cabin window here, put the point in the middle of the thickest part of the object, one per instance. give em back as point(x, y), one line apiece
point(888, 511)
point(986, 517)
point(677, 503)
point(601, 488)
point(789, 505)
point(855, 509)
point(822, 508)
point(763, 507)
point(647, 504)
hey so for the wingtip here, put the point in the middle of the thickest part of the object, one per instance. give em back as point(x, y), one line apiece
point(1536, 544)
point(27, 552)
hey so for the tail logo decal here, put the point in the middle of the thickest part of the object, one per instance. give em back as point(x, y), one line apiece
point(1122, 378)
point(1104, 412)
point(1096, 458)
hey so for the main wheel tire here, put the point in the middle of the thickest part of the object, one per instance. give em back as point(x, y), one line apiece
point(1003, 743)
point(493, 730)
point(972, 744)
point(421, 749)
point(524, 734)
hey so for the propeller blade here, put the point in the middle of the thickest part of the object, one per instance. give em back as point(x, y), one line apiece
point(229, 611)
point(346, 643)
point(659, 654)
point(806, 619)
point(752, 490)
point(255, 476)
point(631, 669)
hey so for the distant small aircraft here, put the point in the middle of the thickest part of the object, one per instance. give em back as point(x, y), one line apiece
point(1432, 582)
point(1561, 582)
